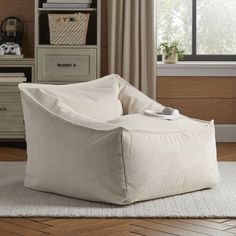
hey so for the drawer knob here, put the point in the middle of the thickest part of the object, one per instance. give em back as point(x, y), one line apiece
point(66, 65)
point(3, 108)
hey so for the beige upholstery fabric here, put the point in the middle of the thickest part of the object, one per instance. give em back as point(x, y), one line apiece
point(86, 98)
point(132, 42)
point(121, 160)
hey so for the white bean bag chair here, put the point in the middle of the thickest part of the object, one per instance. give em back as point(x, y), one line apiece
point(92, 141)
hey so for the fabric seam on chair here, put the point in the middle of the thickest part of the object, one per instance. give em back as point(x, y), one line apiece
point(166, 133)
point(123, 163)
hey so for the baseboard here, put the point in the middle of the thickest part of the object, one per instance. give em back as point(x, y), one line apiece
point(226, 133)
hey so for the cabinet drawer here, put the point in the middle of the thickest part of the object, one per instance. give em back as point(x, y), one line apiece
point(66, 65)
point(16, 126)
point(10, 98)
point(7, 88)
point(10, 112)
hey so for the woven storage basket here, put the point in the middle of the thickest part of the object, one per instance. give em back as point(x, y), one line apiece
point(68, 29)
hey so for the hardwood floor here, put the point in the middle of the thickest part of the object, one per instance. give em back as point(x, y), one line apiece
point(114, 227)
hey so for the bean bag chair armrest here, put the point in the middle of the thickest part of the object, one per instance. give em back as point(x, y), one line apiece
point(133, 100)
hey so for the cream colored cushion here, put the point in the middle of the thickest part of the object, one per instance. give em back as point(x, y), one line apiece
point(114, 158)
point(87, 98)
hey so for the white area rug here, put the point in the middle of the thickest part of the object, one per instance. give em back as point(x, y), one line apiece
point(15, 200)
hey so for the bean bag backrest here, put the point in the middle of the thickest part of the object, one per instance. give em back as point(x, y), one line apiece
point(97, 100)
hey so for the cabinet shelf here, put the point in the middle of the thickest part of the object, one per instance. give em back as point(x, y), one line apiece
point(12, 124)
point(86, 57)
point(44, 34)
point(67, 9)
point(66, 46)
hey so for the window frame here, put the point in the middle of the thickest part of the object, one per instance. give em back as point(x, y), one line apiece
point(200, 57)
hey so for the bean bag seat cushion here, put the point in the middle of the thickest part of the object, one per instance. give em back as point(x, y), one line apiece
point(92, 141)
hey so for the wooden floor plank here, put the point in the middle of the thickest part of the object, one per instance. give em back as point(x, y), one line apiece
point(40, 219)
point(124, 234)
point(121, 229)
point(211, 225)
point(5, 233)
point(27, 224)
point(190, 227)
point(67, 221)
point(37, 226)
point(19, 230)
point(168, 229)
point(149, 232)
point(95, 227)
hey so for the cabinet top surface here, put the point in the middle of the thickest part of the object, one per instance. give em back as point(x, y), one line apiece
point(29, 61)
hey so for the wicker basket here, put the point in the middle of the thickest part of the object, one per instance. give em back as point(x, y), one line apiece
point(68, 29)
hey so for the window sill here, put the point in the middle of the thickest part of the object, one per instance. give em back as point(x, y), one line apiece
point(197, 68)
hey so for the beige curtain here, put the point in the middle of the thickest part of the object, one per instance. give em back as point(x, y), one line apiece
point(132, 42)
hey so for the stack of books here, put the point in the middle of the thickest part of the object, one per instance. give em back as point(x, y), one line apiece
point(12, 78)
point(61, 4)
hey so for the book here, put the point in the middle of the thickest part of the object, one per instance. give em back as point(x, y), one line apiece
point(70, 1)
point(13, 74)
point(12, 79)
point(66, 5)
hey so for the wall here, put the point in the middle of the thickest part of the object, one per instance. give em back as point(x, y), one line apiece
point(23, 9)
point(200, 97)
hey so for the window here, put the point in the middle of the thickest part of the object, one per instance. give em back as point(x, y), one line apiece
point(206, 29)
